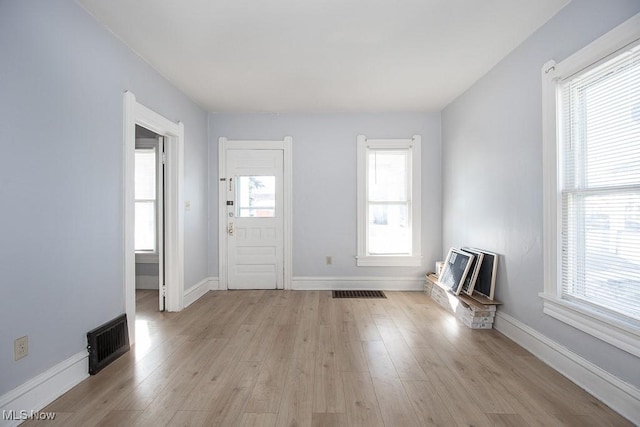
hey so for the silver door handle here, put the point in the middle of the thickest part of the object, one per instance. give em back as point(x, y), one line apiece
point(230, 229)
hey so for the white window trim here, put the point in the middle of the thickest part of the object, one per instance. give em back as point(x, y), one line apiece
point(614, 331)
point(362, 258)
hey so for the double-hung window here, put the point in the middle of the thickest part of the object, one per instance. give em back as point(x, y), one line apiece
point(592, 188)
point(389, 202)
point(145, 200)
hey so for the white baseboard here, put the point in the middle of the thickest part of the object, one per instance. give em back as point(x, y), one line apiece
point(214, 283)
point(328, 283)
point(38, 392)
point(195, 292)
point(622, 397)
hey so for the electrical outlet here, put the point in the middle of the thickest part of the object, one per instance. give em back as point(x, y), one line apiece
point(329, 260)
point(20, 347)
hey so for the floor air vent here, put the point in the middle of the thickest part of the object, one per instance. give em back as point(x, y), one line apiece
point(358, 294)
point(107, 342)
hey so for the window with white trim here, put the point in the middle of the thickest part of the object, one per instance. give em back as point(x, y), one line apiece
point(145, 200)
point(389, 202)
point(592, 189)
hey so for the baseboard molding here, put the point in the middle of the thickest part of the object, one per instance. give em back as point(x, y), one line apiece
point(38, 392)
point(195, 292)
point(328, 283)
point(622, 397)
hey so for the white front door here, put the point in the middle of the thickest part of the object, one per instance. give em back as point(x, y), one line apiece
point(255, 219)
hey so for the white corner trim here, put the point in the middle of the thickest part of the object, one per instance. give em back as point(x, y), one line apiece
point(617, 394)
point(38, 392)
point(214, 284)
point(328, 283)
point(608, 329)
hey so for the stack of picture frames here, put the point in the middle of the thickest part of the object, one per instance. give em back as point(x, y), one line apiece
point(472, 271)
point(470, 274)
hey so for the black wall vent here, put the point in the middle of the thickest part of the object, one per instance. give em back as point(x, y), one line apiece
point(358, 294)
point(107, 342)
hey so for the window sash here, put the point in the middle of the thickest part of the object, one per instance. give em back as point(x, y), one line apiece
point(397, 204)
point(395, 243)
point(146, 170)
point(621, 333)
point(374, 234)
point(382, 193)
point(600, 181)
point(145, 228)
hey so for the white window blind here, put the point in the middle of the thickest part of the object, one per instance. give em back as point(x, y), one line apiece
point(599, 119)
point(389, 202)
point(145, 203)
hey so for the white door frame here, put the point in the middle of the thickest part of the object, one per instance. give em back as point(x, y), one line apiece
point(137, 114)
point(286, 146)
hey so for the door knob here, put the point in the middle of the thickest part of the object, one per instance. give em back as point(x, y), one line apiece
point(230, 229)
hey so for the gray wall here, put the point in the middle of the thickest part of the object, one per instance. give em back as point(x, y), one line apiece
point(324, 181)
point(147, 275)
point(62, 78)
point(492, 172)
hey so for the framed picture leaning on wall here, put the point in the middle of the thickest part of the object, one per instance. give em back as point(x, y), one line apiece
point(472, 276)
point(486, 281)
point(456, 268)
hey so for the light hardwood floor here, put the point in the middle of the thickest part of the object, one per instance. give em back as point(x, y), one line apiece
point(267, 358)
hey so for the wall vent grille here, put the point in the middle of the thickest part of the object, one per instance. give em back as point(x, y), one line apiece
point(358, 294)
point(107, 342)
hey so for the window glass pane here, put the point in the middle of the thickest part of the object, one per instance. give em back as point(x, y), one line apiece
point(389, 231)
point(387, 175)
point(612, 131)
point(603, 251)
point(145, 226)
point(256, 196)
point(145, 174)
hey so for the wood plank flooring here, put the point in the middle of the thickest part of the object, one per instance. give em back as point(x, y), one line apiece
point(301, 358)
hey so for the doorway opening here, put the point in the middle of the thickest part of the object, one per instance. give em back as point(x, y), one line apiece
point(171, 269)
point(149, 218)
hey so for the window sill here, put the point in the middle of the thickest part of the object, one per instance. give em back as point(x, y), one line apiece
point(388, 261)
point(625, 336)
point(146, 258)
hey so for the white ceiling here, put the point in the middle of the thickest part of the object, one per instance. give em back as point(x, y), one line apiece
point(323, 55)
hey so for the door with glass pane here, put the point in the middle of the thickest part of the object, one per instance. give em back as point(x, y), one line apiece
point(254, 220)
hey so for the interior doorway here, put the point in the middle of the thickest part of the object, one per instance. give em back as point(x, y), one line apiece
point(173, 201)
point(149, 214)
